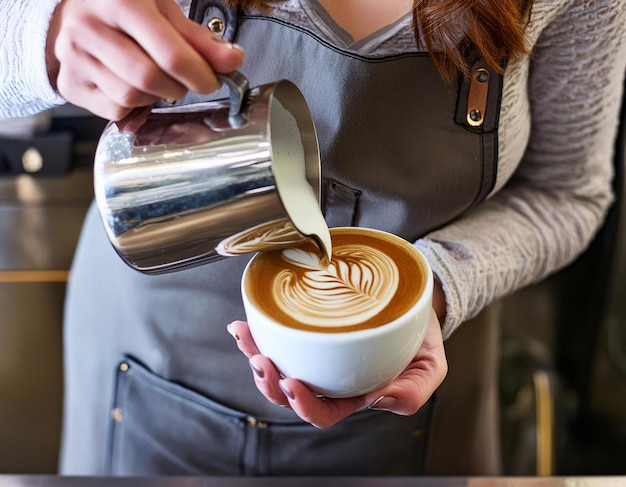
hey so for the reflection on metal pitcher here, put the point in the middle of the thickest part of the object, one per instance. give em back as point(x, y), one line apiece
point(174, 184)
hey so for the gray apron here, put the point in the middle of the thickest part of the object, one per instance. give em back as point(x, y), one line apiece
point(155, 384)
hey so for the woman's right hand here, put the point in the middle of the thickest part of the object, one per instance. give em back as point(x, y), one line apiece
point(112, 56)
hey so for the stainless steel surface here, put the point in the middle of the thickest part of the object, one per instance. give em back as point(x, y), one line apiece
point(40, 220)
point(239, 87)
point(46, 481)
point(174, 184)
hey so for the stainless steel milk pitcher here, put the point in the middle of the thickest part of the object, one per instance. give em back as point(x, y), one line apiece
point(185, 185)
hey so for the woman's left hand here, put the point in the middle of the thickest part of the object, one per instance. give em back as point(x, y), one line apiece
point(404, 395)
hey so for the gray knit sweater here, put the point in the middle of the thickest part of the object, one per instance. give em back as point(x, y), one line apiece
point(557, 125)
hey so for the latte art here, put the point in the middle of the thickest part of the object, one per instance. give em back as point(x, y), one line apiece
point(357, 285)
point(268, 235)
point(343, 327)
point(372, 279)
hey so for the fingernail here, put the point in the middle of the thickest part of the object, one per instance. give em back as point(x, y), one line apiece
point(258, 371)
point(232, 45)
point(232, 332)
point(241, 50)
point(382, 404)
point(286, 391)
point(238, 47)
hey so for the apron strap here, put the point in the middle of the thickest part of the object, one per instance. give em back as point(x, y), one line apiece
point(478, 110)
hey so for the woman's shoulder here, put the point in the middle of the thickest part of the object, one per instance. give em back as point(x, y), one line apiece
point(587, 13)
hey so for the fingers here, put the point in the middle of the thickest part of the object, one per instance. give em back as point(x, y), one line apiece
point(107, 95)
point(184, 49)
point(417, 383)
point(267, 380)
point(321, 412)
point(266, 377)
point(127, 62)
point(222, 56)
point(404, 395)
point(110, 57)
point(241, 333)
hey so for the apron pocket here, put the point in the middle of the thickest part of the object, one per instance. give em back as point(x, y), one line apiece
point(340, 204)
point(158, 427)
point(368, 443)
point(162, 428)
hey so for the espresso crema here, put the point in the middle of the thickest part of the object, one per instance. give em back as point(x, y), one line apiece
point(372, 279)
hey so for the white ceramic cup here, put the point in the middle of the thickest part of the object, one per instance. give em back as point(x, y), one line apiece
point(348, 363)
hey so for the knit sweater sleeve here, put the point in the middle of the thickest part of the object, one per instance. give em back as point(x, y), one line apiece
point(549, 210)
point(25, 88)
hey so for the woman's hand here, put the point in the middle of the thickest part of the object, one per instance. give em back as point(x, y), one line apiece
point(405, 395)
point(112, 56)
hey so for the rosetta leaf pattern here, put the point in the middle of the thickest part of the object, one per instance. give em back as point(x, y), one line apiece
point(358, 284)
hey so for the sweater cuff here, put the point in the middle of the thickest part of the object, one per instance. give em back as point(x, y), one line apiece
point(35, 50)
point(33, 92)
point(436, 256)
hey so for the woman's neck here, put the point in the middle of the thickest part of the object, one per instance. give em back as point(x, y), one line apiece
point(361, 18)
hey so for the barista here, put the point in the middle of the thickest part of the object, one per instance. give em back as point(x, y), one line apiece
point(155, 385)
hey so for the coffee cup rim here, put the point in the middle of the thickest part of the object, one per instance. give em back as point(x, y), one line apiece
point(425, 299)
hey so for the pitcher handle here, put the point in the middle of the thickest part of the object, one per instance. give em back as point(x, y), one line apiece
point(238, 85)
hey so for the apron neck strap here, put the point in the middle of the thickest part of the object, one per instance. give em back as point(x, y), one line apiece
point(206, 12)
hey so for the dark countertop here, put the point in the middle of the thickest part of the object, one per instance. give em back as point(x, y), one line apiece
point(60, 481)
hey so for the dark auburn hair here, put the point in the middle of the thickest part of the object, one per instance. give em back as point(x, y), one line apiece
point(494, 27)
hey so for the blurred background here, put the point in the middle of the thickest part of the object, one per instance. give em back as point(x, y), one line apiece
point(563, 363)
point(45, 189)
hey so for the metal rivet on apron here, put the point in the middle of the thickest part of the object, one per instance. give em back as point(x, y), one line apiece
point(255, 422)
point(117, 415)
point(482, 76)
point(124, 367)
point(216, 25)
point(32, 160)
point(475, 115)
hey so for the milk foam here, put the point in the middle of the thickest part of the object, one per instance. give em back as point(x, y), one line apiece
point(358, 284)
